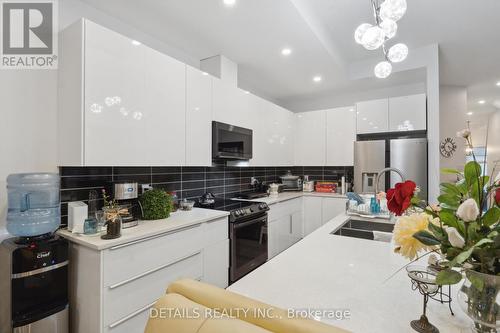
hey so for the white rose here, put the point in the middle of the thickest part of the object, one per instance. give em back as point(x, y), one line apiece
point(465, 133)
point(468, 210)
point(456, 240)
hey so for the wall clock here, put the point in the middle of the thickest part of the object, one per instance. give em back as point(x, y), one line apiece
point(448, 147)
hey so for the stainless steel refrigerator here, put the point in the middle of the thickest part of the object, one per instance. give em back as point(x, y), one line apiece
point(407, 155)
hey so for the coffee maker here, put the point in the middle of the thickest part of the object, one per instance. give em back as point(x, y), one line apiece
point(126, 195)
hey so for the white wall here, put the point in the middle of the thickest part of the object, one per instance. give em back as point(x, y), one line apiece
point(453, 109)
point(28, 125)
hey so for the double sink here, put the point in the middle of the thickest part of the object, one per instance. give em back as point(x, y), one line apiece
point(364, 229)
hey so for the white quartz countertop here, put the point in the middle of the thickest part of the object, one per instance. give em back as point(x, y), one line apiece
point(284, 196)
point(177, 220)
point(328, 272)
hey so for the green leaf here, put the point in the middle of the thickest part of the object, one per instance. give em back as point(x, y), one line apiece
point(450, 171)
point(426, 238)
point(491, 217)
point(439, 233)
point(449, 200)
point(463, 256)
point(476, 281)
point(448, 218)
point(448, 276)
point(451, 189)
point(462, 186)
point(482, 242)
point(472, 172)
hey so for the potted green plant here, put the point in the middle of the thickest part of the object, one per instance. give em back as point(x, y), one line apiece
point(464, 228)
point(156, 204)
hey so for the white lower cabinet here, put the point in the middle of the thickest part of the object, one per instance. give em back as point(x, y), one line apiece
point(285, 226)
point(312, 214)
point(318, 210)
point(112, 290)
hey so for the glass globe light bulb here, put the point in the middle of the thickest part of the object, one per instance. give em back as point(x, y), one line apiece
point(390, 27)
point(392, 9)
point(360, 31)
point(383, 69)
point(398, 52)
point(373, 38)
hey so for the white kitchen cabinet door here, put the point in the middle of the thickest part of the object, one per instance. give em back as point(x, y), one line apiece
point(134, 102)
point(198, 118)
point(262, 151)
point(332, 207)
point(231, 105)
point(340, 136)
point(165, 100)
point(408, 113)
point(279, 235)
point(114, 95)
point(373, 116)
point(297, 227)
point(282, 136)
point(310, 138)
point(312, 214)
point(216, 264)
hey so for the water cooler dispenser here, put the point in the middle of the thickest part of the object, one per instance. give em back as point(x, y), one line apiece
point(34, 264)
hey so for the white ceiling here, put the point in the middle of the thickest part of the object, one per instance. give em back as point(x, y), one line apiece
point(320, 33)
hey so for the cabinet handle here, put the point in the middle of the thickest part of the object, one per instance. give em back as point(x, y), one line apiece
point(152, 271)
point(153, 237)
point(291, 227)
point(132, 315)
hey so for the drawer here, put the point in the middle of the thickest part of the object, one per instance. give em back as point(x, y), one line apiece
point(121, 300)
point(216, 231)
point(123, 262)
point(285, 208)
point(135, 323)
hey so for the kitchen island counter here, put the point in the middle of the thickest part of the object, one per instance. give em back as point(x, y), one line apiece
point(328, 272)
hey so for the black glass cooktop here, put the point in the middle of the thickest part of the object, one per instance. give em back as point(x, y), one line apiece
point(226, 204)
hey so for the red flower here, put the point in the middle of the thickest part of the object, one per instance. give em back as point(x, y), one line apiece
point(399, 198)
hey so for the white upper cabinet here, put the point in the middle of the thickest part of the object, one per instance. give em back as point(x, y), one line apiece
point(231, 105)
point(310, 138)
point(198, 118)
point(126, 101)
point(340, 136)
point(373, 116)
point(408, 113)
point(273, 135)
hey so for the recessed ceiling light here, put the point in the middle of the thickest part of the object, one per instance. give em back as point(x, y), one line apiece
point(498, 84)
point(482, 101)
point(136, 42)
point(204, 73)
point(351, 110)
point(286, 51)
point(247, 92)
point(317, 78)
point(365, 119)
point(229, 3)
point(470, 113)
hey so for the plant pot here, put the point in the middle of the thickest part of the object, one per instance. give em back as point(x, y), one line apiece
point(479, 298)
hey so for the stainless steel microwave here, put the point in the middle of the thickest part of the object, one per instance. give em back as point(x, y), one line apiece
point(231, 142)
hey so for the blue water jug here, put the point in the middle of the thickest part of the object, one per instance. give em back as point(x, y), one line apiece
point(33, 204)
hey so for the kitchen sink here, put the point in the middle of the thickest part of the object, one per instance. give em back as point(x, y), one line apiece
point(364, 229)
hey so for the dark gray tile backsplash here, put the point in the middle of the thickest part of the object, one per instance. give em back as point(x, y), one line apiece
point(188, 182)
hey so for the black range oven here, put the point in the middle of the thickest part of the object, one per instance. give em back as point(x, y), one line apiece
point(248, 235)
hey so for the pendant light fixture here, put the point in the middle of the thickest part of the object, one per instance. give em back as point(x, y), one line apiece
point(373, 37)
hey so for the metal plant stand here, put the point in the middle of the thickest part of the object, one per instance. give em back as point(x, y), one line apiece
point(423, 279)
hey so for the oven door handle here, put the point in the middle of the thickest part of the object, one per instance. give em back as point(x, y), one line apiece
point(244, 224)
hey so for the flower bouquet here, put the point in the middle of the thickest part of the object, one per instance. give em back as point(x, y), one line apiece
point(463, 229)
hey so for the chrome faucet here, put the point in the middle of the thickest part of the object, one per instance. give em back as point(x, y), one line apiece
point(383, 171)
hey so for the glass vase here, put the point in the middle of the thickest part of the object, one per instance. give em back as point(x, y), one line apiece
point(479, 298)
